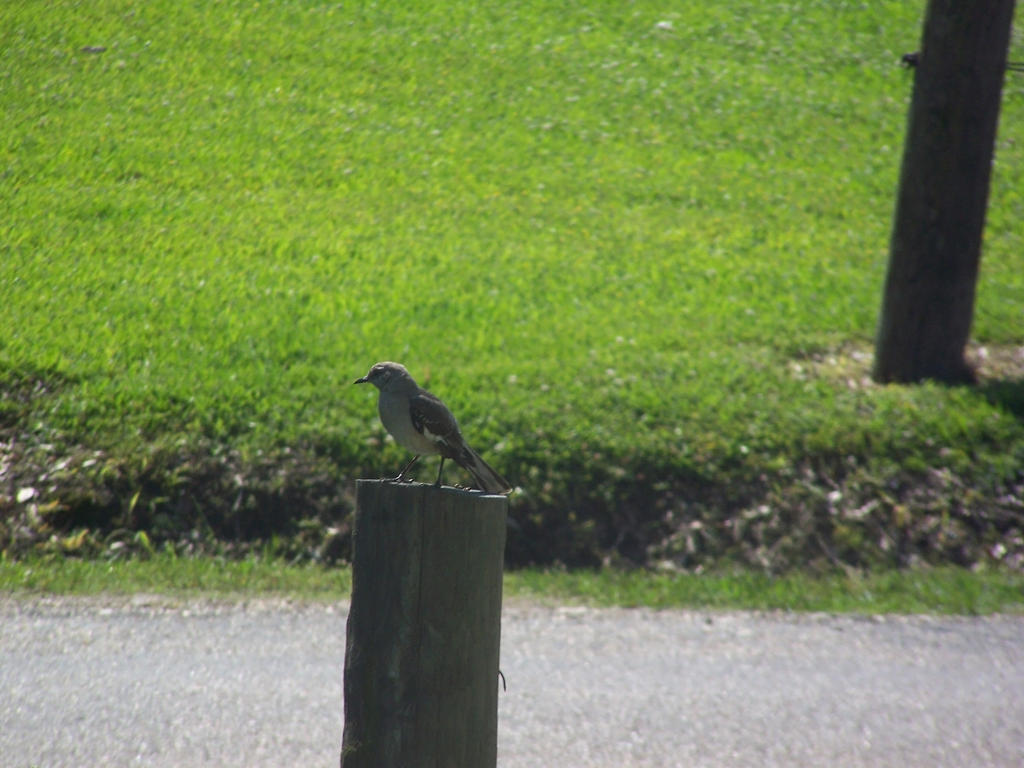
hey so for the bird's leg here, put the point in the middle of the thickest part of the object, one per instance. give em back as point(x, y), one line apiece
point(439, 469)
point(401, 475)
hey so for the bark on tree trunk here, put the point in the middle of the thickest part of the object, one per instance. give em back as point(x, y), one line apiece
point(928, 303)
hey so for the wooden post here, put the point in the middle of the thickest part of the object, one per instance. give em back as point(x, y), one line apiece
point(935, 249)
point(421, 659)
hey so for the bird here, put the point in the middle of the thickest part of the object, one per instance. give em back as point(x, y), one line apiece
point(423, 425)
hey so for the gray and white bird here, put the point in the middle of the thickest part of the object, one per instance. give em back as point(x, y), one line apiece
point(422, 424)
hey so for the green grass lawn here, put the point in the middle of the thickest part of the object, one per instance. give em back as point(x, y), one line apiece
point(638, 249)
point(944, 590)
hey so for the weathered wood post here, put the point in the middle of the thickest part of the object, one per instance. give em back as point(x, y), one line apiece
point(421, 660)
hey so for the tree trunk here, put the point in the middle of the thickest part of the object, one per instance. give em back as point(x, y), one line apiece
point(421, 657)
point(935, 251)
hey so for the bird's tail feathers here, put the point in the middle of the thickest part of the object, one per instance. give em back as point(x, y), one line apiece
point(487, 478)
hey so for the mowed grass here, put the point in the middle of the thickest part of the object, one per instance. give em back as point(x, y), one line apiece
point(167, 574)
point(944, 590)
point(616, 234)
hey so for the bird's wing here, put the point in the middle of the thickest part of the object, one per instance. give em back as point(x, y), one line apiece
point(432, 419)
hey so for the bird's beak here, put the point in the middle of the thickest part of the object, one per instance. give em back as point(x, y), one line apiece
point(362, 380)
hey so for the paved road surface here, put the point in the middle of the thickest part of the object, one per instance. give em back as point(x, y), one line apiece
point(152, 682)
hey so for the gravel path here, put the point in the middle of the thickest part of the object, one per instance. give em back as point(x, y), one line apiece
point(157, 682)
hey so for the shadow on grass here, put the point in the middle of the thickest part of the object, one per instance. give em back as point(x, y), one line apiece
point(1007, 394)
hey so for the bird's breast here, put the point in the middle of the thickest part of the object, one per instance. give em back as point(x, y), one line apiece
point(395, 416)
